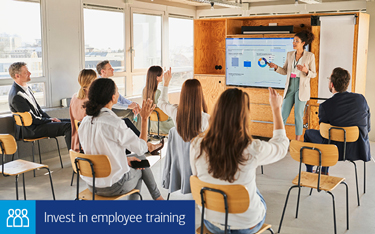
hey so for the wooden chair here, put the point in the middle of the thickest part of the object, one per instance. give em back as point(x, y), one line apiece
point(226, 199)
point(158, 116)
point(24, 119)
point(317, 155)
point(95, 166)
point(8, 146)
point(344, 134)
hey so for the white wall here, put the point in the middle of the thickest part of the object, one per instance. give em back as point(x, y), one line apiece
point(370, 79)
point(63, 44)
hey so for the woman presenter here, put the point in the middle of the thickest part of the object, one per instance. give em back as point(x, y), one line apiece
point(299, 68)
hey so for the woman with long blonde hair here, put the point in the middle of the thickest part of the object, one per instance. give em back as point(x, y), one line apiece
point(76, 110)
point(154, 78)
point(227, 154)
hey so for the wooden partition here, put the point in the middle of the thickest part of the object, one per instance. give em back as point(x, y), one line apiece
point(209, 63)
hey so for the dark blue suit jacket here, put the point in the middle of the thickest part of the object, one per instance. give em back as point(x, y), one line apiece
point(344, 110)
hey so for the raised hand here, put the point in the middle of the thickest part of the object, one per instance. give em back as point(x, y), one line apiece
point(147, 108)
point(167, 77)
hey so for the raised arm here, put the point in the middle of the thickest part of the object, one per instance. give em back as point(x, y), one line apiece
point(163, 102)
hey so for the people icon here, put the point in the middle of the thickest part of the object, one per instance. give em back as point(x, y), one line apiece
point(17, 220)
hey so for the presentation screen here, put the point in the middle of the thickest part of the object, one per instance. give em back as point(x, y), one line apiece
point(247, 58)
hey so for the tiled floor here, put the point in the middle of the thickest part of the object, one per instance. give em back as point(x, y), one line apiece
point(315, 213)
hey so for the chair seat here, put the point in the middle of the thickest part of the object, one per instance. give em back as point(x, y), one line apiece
point(20, 166)
point(87, 195)
point(261, 230)
point(327, 183)
point(35, 139)
point(161, 134)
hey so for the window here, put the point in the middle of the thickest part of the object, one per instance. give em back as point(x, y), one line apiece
point(20, 37)
point(146, 40)
point(181, 50)
point(104, 38)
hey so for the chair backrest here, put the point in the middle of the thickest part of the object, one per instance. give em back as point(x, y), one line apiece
point(338, 133)
point(8, 144)
point(157, 112)
point(24, 117)
point(101, 164)
point(77, 123)
point(237, 195)
point(329, 152)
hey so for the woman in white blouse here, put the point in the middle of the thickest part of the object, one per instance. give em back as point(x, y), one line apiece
point(103, 132)
point(226, 154)
point(190, 115)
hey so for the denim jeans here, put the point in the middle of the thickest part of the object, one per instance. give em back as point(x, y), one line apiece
point(214, 229)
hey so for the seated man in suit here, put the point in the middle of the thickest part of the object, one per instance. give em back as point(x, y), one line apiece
point(21, 99)
point(344, 109)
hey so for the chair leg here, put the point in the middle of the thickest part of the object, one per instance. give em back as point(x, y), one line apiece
point(40, 156)
point(334, 211)
point(356, 180)
point(23, 183)
point(311, 191)
point(364, 177)
point(347, 204)
point(140, 196)
point(71, 182)
point(271, 231)
point(261, 169)
point(286, 202)
point(168, 196)
point(58, 149)
point(32, 150)
point(16, 187)
point(50, 179)
point(299, 195)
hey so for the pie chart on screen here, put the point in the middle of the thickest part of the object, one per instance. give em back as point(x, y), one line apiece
point(262, 62)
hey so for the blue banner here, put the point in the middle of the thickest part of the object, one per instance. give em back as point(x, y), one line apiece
point(29, 217)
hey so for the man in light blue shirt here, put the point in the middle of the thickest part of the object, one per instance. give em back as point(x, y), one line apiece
point(129, 108)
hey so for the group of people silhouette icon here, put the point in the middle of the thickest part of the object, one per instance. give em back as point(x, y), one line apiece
point(17, 220)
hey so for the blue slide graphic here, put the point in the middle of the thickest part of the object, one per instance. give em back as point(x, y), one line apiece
point(247, 63)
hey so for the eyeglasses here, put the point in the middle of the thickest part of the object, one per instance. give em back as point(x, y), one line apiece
point(297, 41)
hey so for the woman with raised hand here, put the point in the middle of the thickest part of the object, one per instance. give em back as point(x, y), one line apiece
point(76, 110)
point(154, 77)
point(226, 154)
point(103, 132)
point(299, 68)
point(190, 115)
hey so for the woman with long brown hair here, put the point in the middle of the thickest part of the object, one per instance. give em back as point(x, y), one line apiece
point(154, 77)
point(76, 111)
point(227, 154)
point(190, 115)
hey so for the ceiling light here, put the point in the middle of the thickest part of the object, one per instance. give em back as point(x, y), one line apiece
point(219, 3)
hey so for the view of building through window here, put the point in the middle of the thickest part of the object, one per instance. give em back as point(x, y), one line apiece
point(20, 41)
point(181, 50)
point(104, 40)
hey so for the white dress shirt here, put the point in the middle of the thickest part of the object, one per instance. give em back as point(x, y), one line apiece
point(258, 153)
point(171, 110)
point(108, 134)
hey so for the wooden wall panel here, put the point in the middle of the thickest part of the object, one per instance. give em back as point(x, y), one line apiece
point(262, 112)
point(314, 83)
point(313, 117)
point(234, 26)
point(209, 46)
point(266, 130)
point(213, 86)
